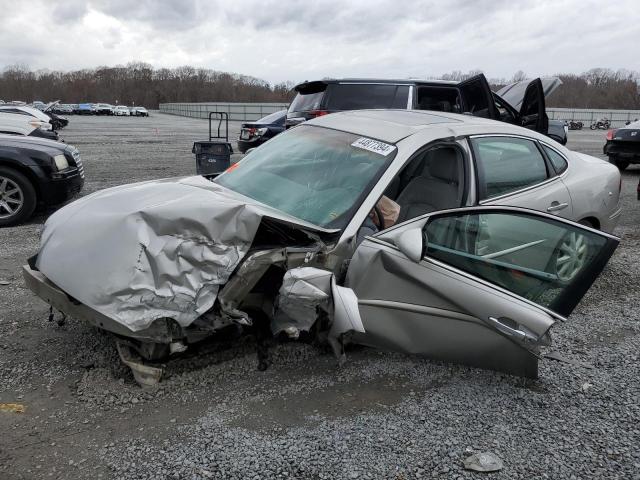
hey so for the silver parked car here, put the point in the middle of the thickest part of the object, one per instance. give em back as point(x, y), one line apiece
point(446, 235)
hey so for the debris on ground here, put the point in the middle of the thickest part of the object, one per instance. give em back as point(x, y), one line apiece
point(483, 462)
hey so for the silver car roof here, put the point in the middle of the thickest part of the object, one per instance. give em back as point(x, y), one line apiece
point(393, 125)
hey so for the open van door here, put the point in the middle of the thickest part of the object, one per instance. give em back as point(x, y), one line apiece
point(527, 97)
point(533, 113)
point(477, 98)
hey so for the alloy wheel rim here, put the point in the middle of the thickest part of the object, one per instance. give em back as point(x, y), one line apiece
point(571, 257)
point(11, 198)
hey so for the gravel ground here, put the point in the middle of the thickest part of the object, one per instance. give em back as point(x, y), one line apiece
point(383, 415)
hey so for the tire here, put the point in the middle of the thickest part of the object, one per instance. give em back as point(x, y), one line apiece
point(17, 197)
point(592, 126)
point(622, 165)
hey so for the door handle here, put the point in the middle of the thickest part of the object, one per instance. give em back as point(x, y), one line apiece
point(510, 331)
point(556, 206)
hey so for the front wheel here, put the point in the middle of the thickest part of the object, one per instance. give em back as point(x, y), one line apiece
point(571, 256)
point(593, 126)
point(17, 197)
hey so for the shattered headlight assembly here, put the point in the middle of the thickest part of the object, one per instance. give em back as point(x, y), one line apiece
point(61, 162)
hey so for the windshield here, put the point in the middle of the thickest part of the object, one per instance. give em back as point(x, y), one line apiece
point(312, 173)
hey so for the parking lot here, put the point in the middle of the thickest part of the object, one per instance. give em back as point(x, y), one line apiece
point(382, 415)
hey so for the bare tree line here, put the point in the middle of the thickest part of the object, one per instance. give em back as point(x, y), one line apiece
point(139, 83)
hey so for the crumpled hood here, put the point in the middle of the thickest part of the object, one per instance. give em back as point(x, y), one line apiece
point(158, 249)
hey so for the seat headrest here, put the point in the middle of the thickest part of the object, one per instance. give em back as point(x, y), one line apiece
point(444, 165)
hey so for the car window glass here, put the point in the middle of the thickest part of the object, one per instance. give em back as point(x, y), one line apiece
point(506, 164)
point(442, 99)
point(536, 258)
point(558, 161)
point(313, 173)
point(306, 102)
point(345, 96)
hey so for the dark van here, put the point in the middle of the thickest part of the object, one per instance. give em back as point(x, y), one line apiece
point(523, 103)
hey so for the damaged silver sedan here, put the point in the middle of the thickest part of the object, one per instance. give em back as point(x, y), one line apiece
point(371, 227)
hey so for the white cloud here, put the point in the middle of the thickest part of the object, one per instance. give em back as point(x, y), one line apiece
point(297, 40)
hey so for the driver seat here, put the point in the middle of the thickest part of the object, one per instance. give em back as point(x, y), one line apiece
point(437, 187)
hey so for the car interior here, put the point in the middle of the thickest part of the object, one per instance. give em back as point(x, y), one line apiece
point(441, 99)
point(434, 180)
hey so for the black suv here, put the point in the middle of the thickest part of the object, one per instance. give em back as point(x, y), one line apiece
point(521, 103)
point(35, 172)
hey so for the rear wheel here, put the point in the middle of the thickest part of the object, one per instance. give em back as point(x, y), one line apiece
point(17, 197)
point(621, 164)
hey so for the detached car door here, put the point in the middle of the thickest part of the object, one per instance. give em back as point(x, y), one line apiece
point(477, 98)
point(480, 286)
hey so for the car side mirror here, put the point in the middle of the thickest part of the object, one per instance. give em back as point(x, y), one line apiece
point(412, 243)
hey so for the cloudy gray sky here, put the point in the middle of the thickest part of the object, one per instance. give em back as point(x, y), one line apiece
point(280, 40)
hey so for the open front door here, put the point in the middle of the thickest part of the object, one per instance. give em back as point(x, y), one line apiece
point(533, 113)
point(477, 98)
point(489, 284)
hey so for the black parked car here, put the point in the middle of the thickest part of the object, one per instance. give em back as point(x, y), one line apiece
point(521, 103)
point(623, 145)
point(35, 172)
point(253, 134)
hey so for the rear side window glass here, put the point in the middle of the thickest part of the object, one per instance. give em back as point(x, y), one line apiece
point(345, 96)
point(558, 161)
point(306, 102)
point(507, 164)
point(441, 99)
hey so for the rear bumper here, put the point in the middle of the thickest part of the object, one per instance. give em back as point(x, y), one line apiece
point(39, 284)
point(244, 145)
point(629, 151)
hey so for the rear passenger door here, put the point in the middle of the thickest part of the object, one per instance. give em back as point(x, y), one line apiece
point(477, 98)
point(514, 171)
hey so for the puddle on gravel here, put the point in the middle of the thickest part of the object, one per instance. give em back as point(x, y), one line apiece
point(335, 401)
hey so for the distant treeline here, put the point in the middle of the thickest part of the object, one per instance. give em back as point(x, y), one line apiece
point(141, 84)
point(137, 84)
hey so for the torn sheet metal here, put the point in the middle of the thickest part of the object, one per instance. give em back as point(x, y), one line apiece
point(151, 250)
point(304, 291)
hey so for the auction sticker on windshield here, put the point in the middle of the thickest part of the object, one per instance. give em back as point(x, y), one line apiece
point(374, 146)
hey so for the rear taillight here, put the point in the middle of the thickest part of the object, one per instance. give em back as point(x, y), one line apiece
point(611, 133)
point(317, 113)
